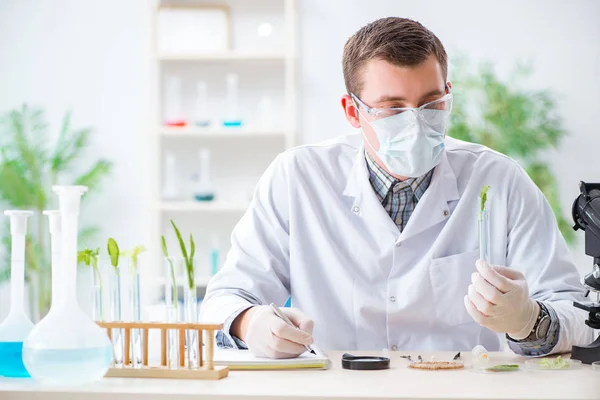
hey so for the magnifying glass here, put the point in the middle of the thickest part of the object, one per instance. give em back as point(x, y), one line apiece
point(350, 361)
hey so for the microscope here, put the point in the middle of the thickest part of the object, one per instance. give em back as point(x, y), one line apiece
point(586, 214)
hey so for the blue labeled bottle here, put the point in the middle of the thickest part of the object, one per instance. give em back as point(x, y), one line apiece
point(15, 328)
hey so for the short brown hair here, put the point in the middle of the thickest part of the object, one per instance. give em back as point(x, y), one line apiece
point(399, 41)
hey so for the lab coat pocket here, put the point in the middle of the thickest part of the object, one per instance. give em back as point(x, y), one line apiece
point(450, 280)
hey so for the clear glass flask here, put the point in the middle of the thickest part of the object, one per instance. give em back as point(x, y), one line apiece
point(67, 347)
point(17, 326)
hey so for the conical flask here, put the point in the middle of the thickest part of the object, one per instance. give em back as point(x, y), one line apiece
point(15, 328)
point(67, 347)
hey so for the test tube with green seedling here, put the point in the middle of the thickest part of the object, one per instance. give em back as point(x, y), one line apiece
point(484, 225)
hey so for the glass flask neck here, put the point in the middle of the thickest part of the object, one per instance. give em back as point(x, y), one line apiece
point(17, 274)
point(67, 276)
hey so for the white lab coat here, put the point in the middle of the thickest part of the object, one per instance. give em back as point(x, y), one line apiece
point(315, 230)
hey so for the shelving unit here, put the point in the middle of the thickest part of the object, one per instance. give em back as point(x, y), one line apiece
point(238, 155)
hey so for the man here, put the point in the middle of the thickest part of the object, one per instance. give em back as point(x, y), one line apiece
point(375, 235)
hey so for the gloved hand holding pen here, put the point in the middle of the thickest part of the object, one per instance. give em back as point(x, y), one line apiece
point(267, 335)
point(498, 299)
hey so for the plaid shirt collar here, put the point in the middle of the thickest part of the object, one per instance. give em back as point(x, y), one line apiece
point(382, 181)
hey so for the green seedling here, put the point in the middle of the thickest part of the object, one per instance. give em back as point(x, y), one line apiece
point(189, 260)
point(89, 258)
point(113, 252)
point(172, 268)
point(133, 255)
point(483, 199)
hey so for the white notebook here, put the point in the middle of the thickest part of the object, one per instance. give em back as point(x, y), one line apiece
point(243, 359)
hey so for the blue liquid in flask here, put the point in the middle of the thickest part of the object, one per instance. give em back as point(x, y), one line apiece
point(69, 366)
point(11, 360)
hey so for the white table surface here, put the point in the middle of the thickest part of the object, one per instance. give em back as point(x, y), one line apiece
point(399, 382)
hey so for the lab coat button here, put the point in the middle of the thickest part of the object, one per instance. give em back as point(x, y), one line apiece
point(356, 209)
point(393, 299)
point(394, 347)
point(446, 213)
point(398, 244)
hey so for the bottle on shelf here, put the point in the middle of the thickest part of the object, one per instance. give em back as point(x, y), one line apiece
point(201, 117)
point(214, 254)
point(173, 102)
point(171, 188)
point(203, 187)
point(232, 117)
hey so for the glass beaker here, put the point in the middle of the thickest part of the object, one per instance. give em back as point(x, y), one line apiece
point(67, 347)
point(17, 326)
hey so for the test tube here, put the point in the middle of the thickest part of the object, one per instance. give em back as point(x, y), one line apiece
point(484, 230)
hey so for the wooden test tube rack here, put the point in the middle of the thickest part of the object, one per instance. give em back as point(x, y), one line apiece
point(206, 366)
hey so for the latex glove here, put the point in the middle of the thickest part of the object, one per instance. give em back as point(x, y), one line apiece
point(499, 299)
point(269, 336)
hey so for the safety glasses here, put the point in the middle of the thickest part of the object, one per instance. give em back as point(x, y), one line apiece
point(444, 103)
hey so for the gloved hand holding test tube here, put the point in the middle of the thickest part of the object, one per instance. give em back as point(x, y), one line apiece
point(484, 226)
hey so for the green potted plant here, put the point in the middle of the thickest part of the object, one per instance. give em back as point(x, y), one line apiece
point(30, 163)
point(518, 122)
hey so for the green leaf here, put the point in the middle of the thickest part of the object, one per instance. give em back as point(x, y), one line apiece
point(94, 175)
point(504, 368)
point(172, 270)
point(190, 264)
point(164, 246)
point(133, 255)
point(83, 257)
point(113, 252)
point(69, 147)
point(180, 240)
point(483, 199)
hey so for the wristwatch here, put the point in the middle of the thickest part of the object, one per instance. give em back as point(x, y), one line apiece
point(541, 327)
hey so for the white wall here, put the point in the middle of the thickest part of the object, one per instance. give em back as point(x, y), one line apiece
point(93, 57)
point(561, 38)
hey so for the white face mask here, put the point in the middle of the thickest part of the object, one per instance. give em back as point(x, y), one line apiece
point(411, 143)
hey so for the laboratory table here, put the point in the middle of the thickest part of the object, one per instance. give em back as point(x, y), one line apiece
point(398, 382)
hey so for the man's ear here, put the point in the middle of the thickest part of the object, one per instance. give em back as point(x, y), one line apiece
point(350, 111)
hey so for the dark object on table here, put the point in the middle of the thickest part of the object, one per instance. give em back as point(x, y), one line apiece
point(350, 361)
point(586, 214)
point(457, 356)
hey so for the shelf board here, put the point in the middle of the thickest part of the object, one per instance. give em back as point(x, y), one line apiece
point(169, 131)
point(197, 206)
point(225, 56)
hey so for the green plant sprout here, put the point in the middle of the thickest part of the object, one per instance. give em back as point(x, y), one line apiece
point(483, 197)
point(133, 255)
point(172, 268)
point(89, 257)
point(189, 260)
point(113, 252)
point(557, 363)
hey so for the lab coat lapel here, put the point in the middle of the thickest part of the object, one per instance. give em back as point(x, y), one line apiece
point(433, 207)
point(366, 204)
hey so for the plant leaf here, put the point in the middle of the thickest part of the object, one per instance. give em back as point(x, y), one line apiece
point(94, 175)
point(180, 240)
point(113, 252)
point(164, 246)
